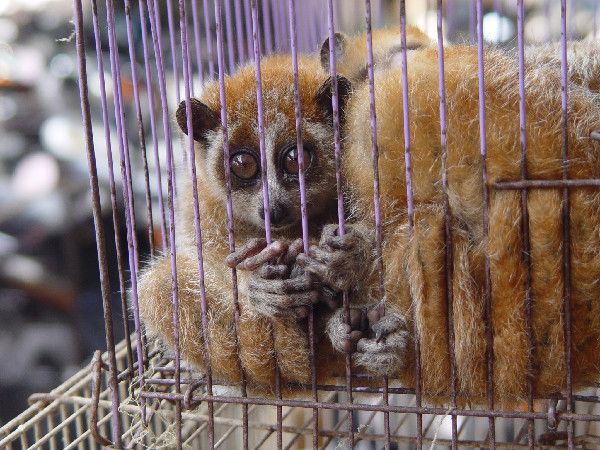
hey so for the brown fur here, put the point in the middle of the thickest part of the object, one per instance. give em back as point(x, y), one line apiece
point(415, 283)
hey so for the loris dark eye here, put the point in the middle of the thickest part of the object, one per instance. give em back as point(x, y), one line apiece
point(244, 165)
point(289, 159)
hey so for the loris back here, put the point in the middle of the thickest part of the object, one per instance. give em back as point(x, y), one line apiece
point(415, 268)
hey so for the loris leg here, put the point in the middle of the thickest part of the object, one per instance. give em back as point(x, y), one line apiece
point(155, 302)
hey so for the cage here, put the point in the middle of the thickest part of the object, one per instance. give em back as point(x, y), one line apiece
point(140, 394)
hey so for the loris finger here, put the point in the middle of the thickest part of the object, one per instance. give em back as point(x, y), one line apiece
point(270, 252)
point(311, 265)
point(289, 286)
point(351, 341)
point(294, 250)
point(345, 242)
point(270, 271)
point(388, 324)
point(250, 248)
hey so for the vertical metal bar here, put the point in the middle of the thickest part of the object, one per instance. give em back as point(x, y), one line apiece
point(595, 19)
point(340, 196)
point(410, 208)
point(261, 120)
point(150, 94)
point(142, 140)
point(123, 145)
point(140, 123)
point(229, 28)
point(197, 41)
point(266, 21)
point(489, 351)
point(230, 235)
point(113, 193)
point(472, 20)
point(126, 176)
point(187, 76)
point(263, 174)
point(548, 21)
point(303, 209)
point(99, 228)
point(566, 226)
point(376, 200)
point(285, 31)
point(450, 18)
point(248, 27)
point(170, 192)
point(276, 24)
point(208, 38)
point(448, 240)
point(241, 56)
point(66, 430)
point(380, 5)
point(526, 252)
point(173, 46)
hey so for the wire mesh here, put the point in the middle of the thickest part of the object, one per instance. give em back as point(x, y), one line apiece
point(150, 397)
point(61, 418)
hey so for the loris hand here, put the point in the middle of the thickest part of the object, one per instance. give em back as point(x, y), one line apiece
point(276, 287)
point(339, 262)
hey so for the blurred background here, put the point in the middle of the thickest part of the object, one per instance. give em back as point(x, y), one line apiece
point(50, 304)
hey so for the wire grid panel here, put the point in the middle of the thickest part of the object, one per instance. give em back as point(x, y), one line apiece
point(61, 419)
point(166, 49)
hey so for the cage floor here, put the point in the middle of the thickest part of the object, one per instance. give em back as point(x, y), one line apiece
point(61, 419)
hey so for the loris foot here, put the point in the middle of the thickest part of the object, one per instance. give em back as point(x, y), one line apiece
point(339, 262)
point(383, 351)
point(276, 287)
point(377, 342)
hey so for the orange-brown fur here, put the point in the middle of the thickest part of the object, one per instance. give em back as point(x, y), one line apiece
point(415, 280)
point(257, 349)
point(351, 51)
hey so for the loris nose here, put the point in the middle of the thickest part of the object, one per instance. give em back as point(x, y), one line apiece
point(277, 213)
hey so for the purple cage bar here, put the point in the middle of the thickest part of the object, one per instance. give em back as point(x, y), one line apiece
point(284, 26)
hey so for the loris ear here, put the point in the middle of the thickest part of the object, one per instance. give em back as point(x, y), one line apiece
point(203, 119)
point(323, 97)
point(340, 48)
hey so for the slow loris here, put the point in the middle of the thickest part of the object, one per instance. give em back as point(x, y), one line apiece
point(414, 264)
point(275, 295)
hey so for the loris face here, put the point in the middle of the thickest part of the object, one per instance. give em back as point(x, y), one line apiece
point(280, 144)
